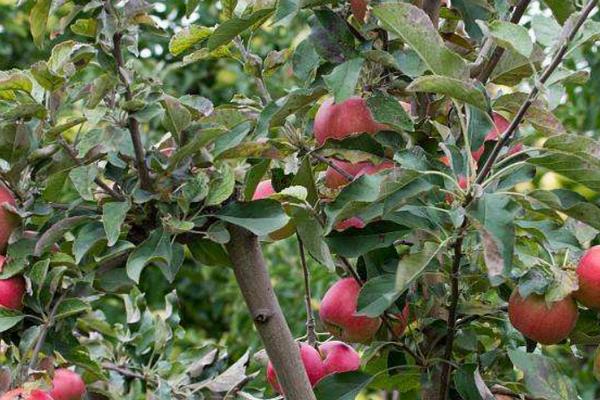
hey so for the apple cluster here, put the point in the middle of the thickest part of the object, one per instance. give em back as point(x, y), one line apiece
point(66, 385)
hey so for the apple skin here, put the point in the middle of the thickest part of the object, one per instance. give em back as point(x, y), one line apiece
point(399, 325)
point(588, 272)
point(338, 121)
point(263, 190)
point(353, 222)
point(339, 357)
point(67, 385)
point(12, 290)
point(333, 179)
point(22, 394)
point(313, 364)
point(8, 221)
point(338, 313)
point(536, 321)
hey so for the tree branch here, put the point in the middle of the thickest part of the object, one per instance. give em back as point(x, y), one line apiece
point(126, 372)
point(311, 335)
point(134, 127)
point(489, 67)
point(255, 284)
point(556, 61)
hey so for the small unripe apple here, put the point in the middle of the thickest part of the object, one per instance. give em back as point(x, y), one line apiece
point(536, 320)
point(67, 385)
point(8, 221)
point(339, 357)
point(353, 222)
point(337, 121)
point(22, 394)
point(333, 179)
point(338, 313)
point(588, 272)
point(313, 364)
point(12, 290)
point(400, 323)
point(263, 190)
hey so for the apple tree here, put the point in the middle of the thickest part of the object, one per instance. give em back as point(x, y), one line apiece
point(398, 144)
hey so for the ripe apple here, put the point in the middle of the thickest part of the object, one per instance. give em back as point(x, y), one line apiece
point(333, 179)
point(12, 290)
point(22, 394)
point(338, 313)
point(67, 385)
point(536, 320)
point(588, 272)
point(338, 121)
point(339, 357)
point(8, 221)
point(353, 222)
point(263, 190)
point(313, 364)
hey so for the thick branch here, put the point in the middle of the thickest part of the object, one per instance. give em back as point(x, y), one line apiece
point(254, 282)
point(489, 67)
point(556, 61)
point(134, 127)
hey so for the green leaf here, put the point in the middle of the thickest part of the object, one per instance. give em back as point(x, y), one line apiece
point(509, 35)
point(513, 67)
point(190, 7)
point(47, 79)
point(9, 318)
point(415, 28)
point(574, 156)
point(471, 11)
point(207, 252)
point(260, 217)
point(411, 265)
point(570, 203)
point(331, 37)
point(285, 11)
point(562, 9)
point(70, 307)
point(355, 242)
point(38, 20)
point(305, 60)
point(387, 110)
point(470, 384)
point(311, 233)
point(90, 238)
point(187, 38)
point(377, 295)
point(460, 90)
point(177, 117)
point(83, 180)
point(295, 101)
point(113, 216)
point(56, 231)
point(15, 81)
point(199, 140)
point(254, 176)
point(305, 177)
point(538, 114)
point(495, 214)
point(85, 27)
point(343, 79)
point(542, 377)
point(479, 124)
point(221, 186)
point(235, 26)
point(344, 386)
point(156, 249)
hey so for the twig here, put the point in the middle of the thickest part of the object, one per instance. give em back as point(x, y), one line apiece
point(73, 156)
point(134, 127)
point(501, 390)
point(489, 67)
point(556, 61)
point(265, 96)
point(311, 335)
point(126, 372)
point(330, 163)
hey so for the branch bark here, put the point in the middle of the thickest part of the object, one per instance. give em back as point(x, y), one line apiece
point(311, 335)
point(134, 127)
point(254, 282)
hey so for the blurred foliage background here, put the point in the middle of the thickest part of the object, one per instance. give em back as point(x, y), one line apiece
point(211, 306)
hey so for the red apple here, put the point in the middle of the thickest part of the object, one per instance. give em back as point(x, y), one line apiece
point(8, 221)
point(400, 323)
point(22, 394)
point(353, 222)
point(536, 320)
point(338, 121)
point(67, 385)
point(588, 272)
point(12, 290)
point(333, 179)
point(338, 313)
point(263, 190)
point(339, 357)
point(313, 364)
point(500, 126)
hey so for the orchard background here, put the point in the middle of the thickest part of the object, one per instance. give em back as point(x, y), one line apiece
point(429, 158)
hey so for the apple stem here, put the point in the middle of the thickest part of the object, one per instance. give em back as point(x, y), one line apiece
point(253, 279)
point(310, 319)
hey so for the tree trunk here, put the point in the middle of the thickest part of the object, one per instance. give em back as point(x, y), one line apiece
point(254, 282)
